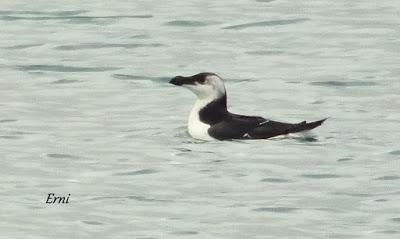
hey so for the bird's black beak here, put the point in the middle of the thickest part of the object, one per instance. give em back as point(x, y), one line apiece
point(181, 80)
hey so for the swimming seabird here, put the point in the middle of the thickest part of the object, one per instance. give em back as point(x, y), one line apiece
point(211, 120)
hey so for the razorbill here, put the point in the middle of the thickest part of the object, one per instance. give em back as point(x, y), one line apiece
point(210, 119)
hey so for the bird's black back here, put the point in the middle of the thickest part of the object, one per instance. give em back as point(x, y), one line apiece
point(225, 125)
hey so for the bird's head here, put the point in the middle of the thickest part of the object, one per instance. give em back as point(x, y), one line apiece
point(204, 85)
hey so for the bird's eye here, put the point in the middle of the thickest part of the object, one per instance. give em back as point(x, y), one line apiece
point(202, 80)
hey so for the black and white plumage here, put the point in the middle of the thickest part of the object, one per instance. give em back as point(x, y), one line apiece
point(210, 118)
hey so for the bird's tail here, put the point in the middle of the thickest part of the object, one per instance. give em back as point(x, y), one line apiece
point(303, 126)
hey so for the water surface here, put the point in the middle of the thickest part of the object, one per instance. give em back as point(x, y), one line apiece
point(86, 110)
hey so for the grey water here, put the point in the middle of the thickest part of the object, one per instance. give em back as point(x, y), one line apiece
point(86, 110)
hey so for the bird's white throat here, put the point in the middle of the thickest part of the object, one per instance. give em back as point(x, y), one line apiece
point(196, 128)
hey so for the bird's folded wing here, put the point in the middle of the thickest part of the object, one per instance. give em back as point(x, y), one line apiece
point(273, 128)
point(235, 126)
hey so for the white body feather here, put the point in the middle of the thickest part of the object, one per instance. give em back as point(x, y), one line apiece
point(196, 128)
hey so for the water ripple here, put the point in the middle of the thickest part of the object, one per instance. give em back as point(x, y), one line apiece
point(388, 178)
point(183, 233)
point(320, 176)
point(138, 172)
point(22, 46)
point(275, 180)
point(344, 83)
point(237, 80)
point(80, 18)
point(138, 77)
point(62, 68)
point(353, 194)
point(64, 81)
point(389, 231)
point(19, 132)
point(7, 120)
point(140, 36)
point(185, 23)
point(276, 209)
point(10, 137)
point(92, 222)
point(265, 52)
point(60, 156)
point(105, 198)
point(345, 159)
point(54, 13)
point(266, 23)
point(106, 45)
point(145, 199)
point(395, 152)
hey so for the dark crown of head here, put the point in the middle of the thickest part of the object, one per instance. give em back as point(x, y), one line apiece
point(201, 77)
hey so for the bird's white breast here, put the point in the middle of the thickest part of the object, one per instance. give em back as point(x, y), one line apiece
point(196, 128)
